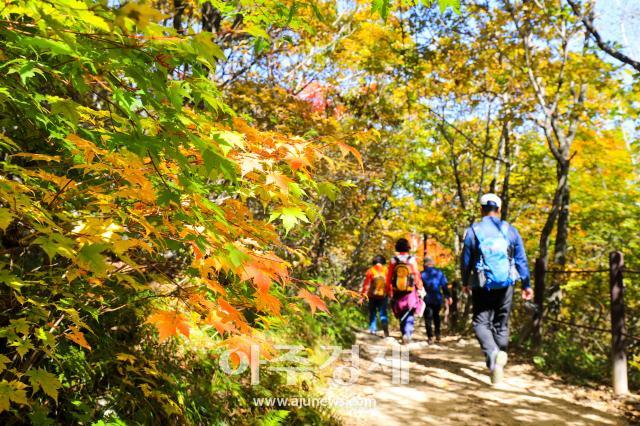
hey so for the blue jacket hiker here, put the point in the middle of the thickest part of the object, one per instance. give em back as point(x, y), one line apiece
point(492, 261)
point(491, 225)
point(435, 285)
point(374, 288)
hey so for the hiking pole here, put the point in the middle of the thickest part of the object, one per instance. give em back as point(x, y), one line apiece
point(406, 314)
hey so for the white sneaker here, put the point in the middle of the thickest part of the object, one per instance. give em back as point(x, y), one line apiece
point(497, 375)
point(406, 339)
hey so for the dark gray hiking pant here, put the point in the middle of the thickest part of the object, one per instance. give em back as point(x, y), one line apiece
point(491, 309)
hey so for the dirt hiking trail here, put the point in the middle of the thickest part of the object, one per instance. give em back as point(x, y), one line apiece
point(449, 384)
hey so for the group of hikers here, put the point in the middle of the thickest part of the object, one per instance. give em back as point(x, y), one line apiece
point(493, 259)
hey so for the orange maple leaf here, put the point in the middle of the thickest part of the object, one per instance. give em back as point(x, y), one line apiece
point(280, 180)
point(196, 251)
point(327, 292)
point(297, 156)
point(314, 301)
point(346, 149)
point(169, 323)
point(77, 336)
point(248, 348)
point(214, 285)
point(265, 302)
point(229, 313)
point(264, 268)
point(256, 272)
point(221, 325)
point(275, 265)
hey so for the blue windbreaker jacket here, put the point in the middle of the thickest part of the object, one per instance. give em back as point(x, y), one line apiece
point(435, 283)
point(471, 253)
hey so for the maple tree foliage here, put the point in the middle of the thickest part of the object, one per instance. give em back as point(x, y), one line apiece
point(126, 185)
point(180, 179)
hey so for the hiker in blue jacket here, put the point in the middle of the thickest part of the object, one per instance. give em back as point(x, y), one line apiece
point(492, 260)
point(435, 284)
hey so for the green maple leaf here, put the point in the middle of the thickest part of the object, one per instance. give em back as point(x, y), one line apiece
point(55, 244)
point(382, 7)
point(27, 71)
point(3, 362)
point(20, 326)
point(6, 217)
point(289, 216)
point(67, 108)
point(12, 391)
point(236, 257)
point(42, 379)
point(11, 280)
point(22, 347)
point(91, 259)
point(54, 47)
point(453, 4)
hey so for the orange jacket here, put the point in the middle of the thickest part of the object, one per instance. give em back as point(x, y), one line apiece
point(368, 277)
point(413, 265)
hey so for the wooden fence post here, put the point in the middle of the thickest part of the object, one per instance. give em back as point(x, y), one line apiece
point(538, 298)
point(618, 329)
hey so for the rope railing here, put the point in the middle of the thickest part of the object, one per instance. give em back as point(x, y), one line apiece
point(588, 271)
point(588, 327)
point(575, 271)
point(617, 273)
point(618, 331)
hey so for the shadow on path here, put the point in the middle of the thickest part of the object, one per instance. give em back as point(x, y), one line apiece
point(449, 384)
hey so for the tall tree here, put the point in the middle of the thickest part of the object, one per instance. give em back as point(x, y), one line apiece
point(560, 98)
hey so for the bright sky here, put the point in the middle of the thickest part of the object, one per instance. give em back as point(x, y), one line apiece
point(619, 21)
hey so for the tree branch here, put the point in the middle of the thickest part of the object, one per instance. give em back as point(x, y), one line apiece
point(587, 21)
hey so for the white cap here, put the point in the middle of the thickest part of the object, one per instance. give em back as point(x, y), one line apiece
point(491, 200)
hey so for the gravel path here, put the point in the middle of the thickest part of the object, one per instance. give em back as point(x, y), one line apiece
point(449, 384)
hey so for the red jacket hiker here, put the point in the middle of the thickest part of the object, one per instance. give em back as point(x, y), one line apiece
point(371, 273)
point(374, 288)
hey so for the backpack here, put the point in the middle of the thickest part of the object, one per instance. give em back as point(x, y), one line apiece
point(495, 267)
point(403, 279)
point(378, 287)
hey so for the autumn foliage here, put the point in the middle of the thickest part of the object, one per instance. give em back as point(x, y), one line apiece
point(129, 194)
point(182, 182)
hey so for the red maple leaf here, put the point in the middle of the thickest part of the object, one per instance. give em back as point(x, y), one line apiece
point(314, 301)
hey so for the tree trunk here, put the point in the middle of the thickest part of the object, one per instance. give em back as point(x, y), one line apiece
point(487, 142)
point(552, 216)
point(498, 163)
point(179, 6)
point(507, 171)
point(562, 230)
point(349, 275)
point(211, 18)
point(454, 166)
